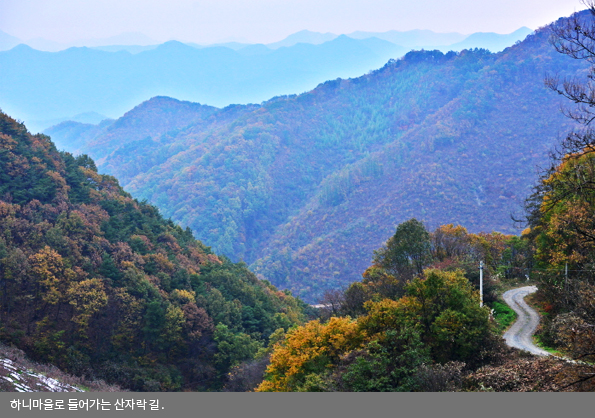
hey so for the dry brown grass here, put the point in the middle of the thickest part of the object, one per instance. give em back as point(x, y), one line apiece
point(527, 373)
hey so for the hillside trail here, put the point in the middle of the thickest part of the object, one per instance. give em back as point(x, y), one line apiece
point(520, 334)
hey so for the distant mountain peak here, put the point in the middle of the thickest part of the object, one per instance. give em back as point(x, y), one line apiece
point(492, 41)
point(304, 36)
point(173, 42)
point(416, 38)
point(311, 33)
point(175, 46)
point(22, 48)
point(8, 41)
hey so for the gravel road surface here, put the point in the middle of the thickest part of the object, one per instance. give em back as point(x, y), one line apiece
point(521, 332)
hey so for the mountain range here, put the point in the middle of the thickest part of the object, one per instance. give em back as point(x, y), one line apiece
point(417, 38)
point(129, 38)
point(111, 78)
point(305, 187)
point(81, 80)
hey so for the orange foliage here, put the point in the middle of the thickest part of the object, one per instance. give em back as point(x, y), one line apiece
point(308, 349)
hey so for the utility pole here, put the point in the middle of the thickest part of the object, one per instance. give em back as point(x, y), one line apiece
point(566, 282)
point(481, 284)
point(565, 276)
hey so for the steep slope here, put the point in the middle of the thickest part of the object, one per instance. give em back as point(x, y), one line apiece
point(102, 285)
point(19, 374)
point(305, 187)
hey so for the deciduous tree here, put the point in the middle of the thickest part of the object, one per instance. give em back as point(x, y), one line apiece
point(407, 252)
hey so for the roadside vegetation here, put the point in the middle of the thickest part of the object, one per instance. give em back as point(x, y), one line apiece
point(504, 315)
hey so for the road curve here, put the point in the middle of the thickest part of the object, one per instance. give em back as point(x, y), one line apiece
point(521, 332)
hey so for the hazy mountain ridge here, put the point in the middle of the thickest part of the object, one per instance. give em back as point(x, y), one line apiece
point(77, 134)
point(303, 37)
point(306, 187)
point(415, 39)
point(108, 80)
point(137, 42)
point(492, 41)
point(129, 38)
point(8, 41)
point(83, 79)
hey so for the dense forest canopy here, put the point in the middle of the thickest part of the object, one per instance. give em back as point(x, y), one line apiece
point(101, 284)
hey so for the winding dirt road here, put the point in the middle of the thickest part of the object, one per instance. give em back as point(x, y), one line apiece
point(521, 332)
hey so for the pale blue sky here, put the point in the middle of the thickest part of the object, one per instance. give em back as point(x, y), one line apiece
point(207, 21)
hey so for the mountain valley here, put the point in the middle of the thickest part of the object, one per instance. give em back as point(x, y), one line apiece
point(304, 187)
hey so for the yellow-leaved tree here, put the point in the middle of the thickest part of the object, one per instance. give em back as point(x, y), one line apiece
point(308, 350)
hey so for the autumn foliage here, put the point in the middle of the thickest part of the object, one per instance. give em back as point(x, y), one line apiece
point(103, 286)
point(438, 320)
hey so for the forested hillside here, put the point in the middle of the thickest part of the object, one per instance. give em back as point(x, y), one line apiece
point(561, 208)
point(414, 321)
point(303, 188)
point(102, 285)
